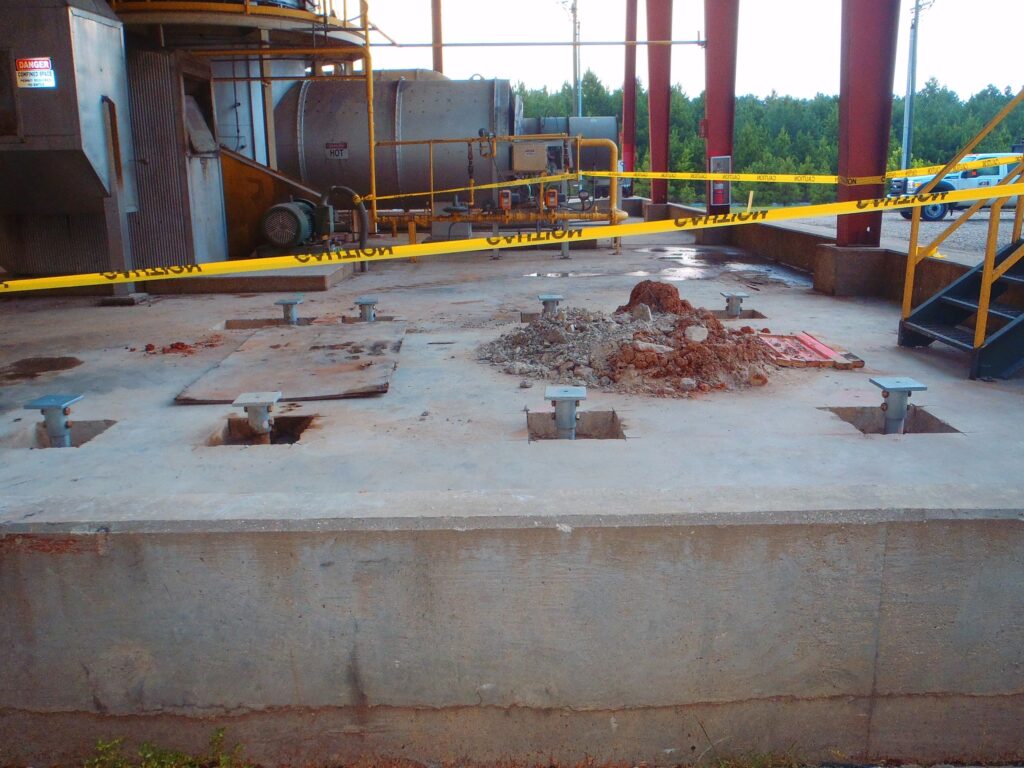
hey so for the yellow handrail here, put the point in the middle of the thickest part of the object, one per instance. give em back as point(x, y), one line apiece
point(933, 246)
point(914, 255)
point(987, 278)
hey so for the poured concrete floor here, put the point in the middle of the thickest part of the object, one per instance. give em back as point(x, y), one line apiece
point(450, 441)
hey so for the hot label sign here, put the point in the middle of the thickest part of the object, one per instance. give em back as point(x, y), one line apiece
point(336, 150)
point(36, 72)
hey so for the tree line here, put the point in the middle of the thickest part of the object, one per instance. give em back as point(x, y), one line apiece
point(783, 134)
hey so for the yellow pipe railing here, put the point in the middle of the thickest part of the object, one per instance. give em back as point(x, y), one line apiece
point(613, 214)
point(987, 278)
point(370, 125)
point(914, 255)
point(933, 246)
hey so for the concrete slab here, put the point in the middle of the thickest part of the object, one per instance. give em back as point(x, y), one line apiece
point(415, 577)
point(318, 278)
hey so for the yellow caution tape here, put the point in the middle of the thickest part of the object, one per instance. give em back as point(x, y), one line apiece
point(519, 240)
point(764, 178)
point(799, 178)
point(475, 187)
point(931, 170)
point(777, 178)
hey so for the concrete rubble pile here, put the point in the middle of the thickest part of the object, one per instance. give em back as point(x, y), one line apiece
point(656, 344)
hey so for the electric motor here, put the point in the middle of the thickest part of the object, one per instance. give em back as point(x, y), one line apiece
point(288, 225)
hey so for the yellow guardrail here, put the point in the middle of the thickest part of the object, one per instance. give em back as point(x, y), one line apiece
point(523, 239)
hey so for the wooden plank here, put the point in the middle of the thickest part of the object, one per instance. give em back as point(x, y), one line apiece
point(313, 362)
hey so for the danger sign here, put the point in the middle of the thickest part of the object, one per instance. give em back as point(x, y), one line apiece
point(35, 72)
point(336, 150)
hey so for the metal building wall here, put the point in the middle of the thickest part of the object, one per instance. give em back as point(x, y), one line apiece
point(160, 231)
point(53, 244)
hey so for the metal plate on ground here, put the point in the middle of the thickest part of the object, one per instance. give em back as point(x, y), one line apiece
point(805, 351)
point(314, 362)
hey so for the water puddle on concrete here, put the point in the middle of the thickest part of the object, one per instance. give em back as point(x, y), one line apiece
point(701, 263)
point(708, 263)
point(32, 367)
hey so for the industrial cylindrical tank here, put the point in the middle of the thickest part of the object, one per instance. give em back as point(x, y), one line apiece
point(322, 134)
point(596, 127)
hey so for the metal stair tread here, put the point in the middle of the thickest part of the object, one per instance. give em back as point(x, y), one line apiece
point(995, 308)
point(961, 338)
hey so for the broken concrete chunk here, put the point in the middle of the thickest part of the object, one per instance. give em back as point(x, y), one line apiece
point(696, 333)
point(642, 312)
point(660, 349)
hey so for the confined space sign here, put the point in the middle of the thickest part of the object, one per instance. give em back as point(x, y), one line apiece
point(336, 150)
point(36, 72)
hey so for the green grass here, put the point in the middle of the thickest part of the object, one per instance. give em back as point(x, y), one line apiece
point(111, 754)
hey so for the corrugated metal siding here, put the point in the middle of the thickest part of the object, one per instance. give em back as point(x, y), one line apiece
point(160, 231)
point(53, 245)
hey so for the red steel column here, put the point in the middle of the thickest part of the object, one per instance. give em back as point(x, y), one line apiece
point(629, 91)
point(869, 34)
point(435, 26)
point(721, 25)
point(659, 70)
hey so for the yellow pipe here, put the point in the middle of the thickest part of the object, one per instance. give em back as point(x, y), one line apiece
point(333, 51)
point(424, 219)
point(473, 139)
point(243, 8)
point(431, 153)
point(371, 128)
point(614, 214)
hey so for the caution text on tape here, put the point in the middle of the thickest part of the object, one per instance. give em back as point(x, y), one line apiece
point(518, 240)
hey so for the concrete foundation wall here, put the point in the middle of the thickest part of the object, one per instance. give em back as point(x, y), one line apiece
point(837, 271)
point(893, 637)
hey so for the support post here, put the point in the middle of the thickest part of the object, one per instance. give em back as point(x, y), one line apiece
point(364, 14)
point(659, 71)
point(868, 61)
point(267, 93)
point(721, 24)
point(438, 42)
point(629, 92)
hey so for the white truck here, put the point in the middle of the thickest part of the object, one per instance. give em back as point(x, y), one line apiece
point(969, 179)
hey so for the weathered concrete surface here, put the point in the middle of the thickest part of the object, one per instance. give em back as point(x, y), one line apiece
point(416, 577)
point(872, 639)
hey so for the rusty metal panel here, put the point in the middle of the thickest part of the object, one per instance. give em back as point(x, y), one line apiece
point(160, 232)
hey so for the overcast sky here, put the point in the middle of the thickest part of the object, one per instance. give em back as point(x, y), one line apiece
point(789, 46)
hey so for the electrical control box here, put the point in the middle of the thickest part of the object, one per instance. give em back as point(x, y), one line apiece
point(529, 157)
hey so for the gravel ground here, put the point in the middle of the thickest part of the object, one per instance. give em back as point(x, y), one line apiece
point(966, 245)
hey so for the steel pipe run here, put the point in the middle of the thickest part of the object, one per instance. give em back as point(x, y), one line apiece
point(659, 71)
point(868, 64)
point(629, 92)
point(721, 23)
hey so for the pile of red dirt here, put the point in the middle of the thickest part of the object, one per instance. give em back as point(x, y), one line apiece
point(674, 350)
point(660, 297)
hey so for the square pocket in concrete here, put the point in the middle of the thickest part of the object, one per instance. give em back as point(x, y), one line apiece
point(871, 420)
point(286, 431)
point(591, 425)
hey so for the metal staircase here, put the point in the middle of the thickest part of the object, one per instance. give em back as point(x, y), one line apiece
point(943, 317)
point(974, 313)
